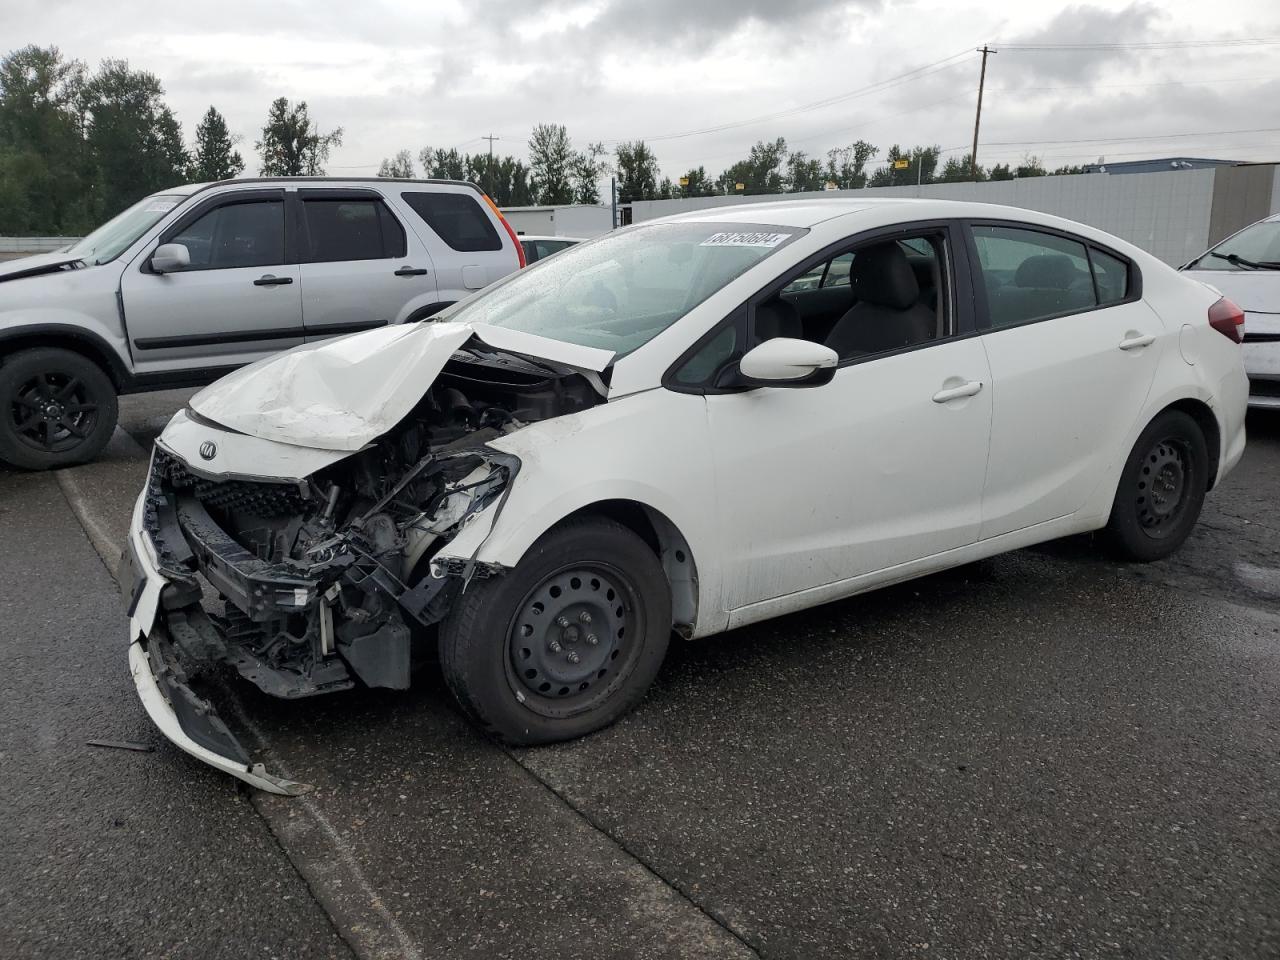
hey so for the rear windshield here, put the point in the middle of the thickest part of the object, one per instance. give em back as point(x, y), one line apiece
point(622, 290)
point(457, 218)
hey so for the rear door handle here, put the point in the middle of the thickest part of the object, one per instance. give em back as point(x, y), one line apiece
point(955, 393)
point(270, 281)
point(411, 272)
point(1136, 342)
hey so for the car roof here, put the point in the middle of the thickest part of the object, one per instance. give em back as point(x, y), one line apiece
point(811, 212)
point(547, 236)
point(187, 189)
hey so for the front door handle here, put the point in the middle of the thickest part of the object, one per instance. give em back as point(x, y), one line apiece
point(411, 272)
point(269, 281)
point(1135, 341)
point(955, 393)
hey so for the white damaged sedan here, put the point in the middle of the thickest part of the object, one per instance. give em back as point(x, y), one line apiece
point(685, 426)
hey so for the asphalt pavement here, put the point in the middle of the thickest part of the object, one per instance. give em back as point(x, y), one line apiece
point(1044, 754)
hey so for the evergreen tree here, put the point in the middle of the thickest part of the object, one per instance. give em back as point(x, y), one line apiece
point(214, 157)
point(637, 172)
point(552, 160)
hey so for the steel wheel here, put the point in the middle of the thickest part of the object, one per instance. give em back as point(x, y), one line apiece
point(1162, 488)
point(53, 412)
point(568, 644)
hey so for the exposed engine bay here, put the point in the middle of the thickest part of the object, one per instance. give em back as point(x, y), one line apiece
point(329, 578)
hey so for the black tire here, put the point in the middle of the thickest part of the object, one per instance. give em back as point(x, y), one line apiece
point(1161, 489)
point(508, 663)
point(57, 408)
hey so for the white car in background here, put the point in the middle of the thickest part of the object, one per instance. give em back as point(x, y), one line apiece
point(1246, 268)
point(539, 248)
point(671, 429)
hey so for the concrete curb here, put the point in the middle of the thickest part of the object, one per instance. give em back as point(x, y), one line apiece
point(102, 494)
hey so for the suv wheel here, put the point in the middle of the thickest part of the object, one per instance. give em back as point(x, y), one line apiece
point(57, 408)
point(565, 643)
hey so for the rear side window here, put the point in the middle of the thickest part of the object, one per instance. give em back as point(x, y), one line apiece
point(1030, 275)
point(351, 229)
point(457, 218)
point(1111, 274)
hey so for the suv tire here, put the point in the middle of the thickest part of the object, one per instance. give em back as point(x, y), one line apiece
point(57, 408)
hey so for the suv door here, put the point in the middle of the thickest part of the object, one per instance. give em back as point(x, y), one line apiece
point(1073, 349)
point(237, 301)
point(471, 247)
point(360, 268)
point(882, 466)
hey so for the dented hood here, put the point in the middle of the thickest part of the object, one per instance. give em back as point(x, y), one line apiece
point(340, 394)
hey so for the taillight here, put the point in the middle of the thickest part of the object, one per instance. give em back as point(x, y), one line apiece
point(511, 233)
point(1227, 319)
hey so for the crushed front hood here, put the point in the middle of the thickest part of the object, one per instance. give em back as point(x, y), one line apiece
point(341, 394)
point(34, 266)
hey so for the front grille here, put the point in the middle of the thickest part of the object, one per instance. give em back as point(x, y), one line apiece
point(256, 498)
point(1264, 388)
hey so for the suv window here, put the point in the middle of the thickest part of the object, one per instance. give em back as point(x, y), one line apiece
point(351, 229)
point(1031, 275)
point(246, 233)
point(457, 218)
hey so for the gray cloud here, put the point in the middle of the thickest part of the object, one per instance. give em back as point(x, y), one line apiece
point(1082, 24)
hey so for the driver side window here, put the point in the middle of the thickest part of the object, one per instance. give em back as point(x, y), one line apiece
point(248, 233)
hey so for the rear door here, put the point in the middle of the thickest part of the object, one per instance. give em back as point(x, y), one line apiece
point(472, 248)
point(237, 301)
point(1073, 351)
point(360, 267)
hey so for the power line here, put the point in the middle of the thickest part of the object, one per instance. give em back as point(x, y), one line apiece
point(938, 66)
point(1137, 45)
point(1162, 136)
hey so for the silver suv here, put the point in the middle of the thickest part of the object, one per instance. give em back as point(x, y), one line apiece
point(193, 282)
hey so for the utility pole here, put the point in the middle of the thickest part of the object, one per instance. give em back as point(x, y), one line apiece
point(490, 138)
point(977, 120)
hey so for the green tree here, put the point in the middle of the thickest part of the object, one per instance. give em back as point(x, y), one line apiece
point(444, 164)
point(804, 173)
point(552, 161)
point(698, 184)
point(956, 170)
point(292, 145)
point(761, 172)
point(43, 188)
point(847, 166)
point(588, 167)
point(214, 156)
point(400, 166)
point(1068, 170)
point(133, 140)
point(921, 164)
point(638, 172)
point(1030, 167)
point(1001, 171)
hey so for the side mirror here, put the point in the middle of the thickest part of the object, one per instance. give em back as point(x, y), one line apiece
point(783, 362)
point(169, 257)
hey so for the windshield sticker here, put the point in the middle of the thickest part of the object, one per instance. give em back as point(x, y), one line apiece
point(160, 206)
point(745, 239)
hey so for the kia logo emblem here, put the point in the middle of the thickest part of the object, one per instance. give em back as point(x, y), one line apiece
point(208, 450)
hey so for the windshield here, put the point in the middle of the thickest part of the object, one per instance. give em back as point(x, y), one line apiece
point(118, 234)
point(1258, 244)
point(621, 291)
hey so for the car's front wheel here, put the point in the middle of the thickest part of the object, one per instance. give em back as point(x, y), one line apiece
point(1161, 489)
point(565, 643)
point(57, 408)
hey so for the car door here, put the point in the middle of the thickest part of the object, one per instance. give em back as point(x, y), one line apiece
point(465, 238)
point(360, 268)
point(1073, 351)
point(237, 300)
point(879, 467)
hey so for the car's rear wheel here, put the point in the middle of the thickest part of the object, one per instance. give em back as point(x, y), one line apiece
point(57, 408)
point(1161, 489)
point(565, 643)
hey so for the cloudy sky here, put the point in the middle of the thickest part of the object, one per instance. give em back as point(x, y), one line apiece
point(702, 80)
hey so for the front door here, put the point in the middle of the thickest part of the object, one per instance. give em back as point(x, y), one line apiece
point(239, 299)
point(883, 465)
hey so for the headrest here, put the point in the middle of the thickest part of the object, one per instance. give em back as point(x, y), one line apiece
point(1052, 270)
point(777, 318)
point(882, 275)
